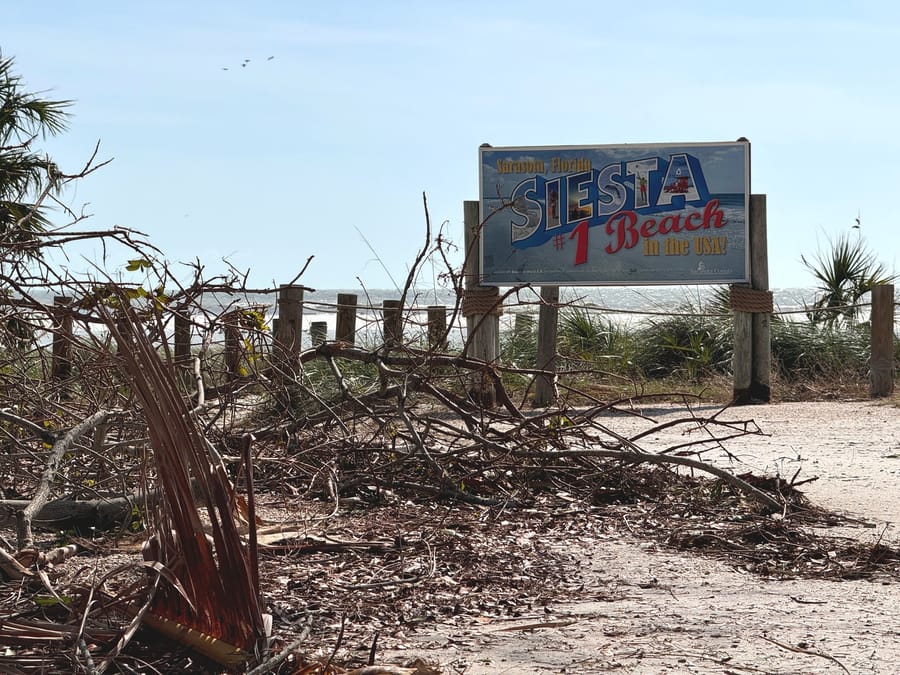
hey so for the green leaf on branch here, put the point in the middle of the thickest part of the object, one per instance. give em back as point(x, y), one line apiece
point(138, 265)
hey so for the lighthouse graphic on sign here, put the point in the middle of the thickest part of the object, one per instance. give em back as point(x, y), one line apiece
point(678, 181)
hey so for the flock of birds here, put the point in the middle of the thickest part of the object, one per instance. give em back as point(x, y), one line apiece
point(245, 62)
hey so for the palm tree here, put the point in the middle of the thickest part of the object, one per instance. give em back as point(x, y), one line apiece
point(26, 175)
point(846, 273)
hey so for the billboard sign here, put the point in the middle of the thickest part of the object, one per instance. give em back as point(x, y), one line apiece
point(615, 214)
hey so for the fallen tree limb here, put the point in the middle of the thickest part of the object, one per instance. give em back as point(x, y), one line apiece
point(59, 449)
point(81, 515)
point(64, 514)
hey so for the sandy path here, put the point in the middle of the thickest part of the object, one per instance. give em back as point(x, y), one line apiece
point(651, 610)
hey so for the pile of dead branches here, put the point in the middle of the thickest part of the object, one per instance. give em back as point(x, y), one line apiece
point(349, 493)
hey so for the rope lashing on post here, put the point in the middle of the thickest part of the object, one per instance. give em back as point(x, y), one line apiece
point(746, 299)
point(480, 301)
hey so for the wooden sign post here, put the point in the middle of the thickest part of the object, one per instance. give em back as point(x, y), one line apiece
point(545, 391)
point(881, 365)
point(482, 308)
point(753, 306)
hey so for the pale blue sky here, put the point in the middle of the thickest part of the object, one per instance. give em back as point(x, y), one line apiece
point(366, 105)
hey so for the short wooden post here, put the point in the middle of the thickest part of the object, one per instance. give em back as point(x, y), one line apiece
point(318, 332)
point(480, 307)
point(392, 315)
point(290, 322)
point(548, 326)
point(182, 340)
point(881, 365)
point(437, 327)
point(345, 328)
point(61, 364)
point(231, 323)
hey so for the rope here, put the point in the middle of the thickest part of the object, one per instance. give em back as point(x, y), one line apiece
point(482, 300)
point(746, 299)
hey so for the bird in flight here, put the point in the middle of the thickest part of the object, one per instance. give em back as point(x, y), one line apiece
point(246, 61)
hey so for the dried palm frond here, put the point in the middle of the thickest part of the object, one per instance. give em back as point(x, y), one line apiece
point(216, 607)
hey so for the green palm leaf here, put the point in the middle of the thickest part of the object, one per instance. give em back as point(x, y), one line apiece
point(843, 274)
point(25, 174)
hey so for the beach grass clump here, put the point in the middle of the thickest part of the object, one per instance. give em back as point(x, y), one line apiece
point(518, 349)
point(692, 346)
point(518, 346)
point(690, 342)
point(806, 349)
point(592, 339)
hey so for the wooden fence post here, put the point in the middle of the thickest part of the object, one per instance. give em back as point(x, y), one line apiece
point(392, 316)
point(61, 364)
point(182, 340)
point(437, 327)
point(881, 364)
point(481, 307)
point(392, 331)
point(345, 328)
point(548, 326)
point(231, 323)
point(288, 332)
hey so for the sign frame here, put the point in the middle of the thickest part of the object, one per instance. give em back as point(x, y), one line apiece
point(615, 215)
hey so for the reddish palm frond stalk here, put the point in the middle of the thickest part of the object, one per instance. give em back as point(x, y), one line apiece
point(219, 612)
